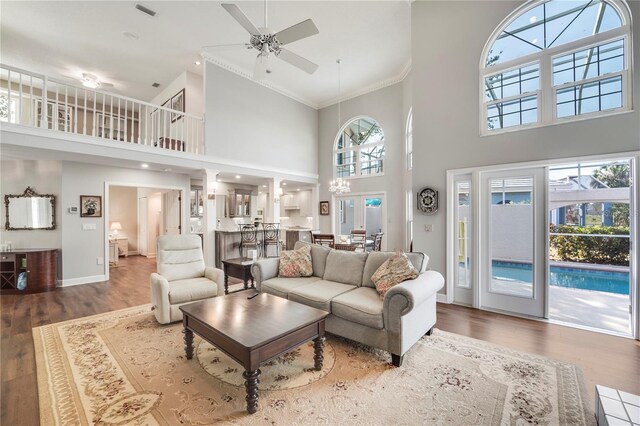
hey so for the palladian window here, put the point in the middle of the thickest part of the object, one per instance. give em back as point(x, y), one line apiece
point(359, 149)
point(555, 61)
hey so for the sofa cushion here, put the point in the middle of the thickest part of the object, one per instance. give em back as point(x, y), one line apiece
point(295, 263)
point(318, 257)
point(362, 306)
point(319, 294)
point(345, 267)
point(377, 258)
point(392, 272)
point(192, 289)
point(282, 286)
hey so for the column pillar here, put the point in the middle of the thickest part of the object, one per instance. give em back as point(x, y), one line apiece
point(210, 217)
point(273, 201)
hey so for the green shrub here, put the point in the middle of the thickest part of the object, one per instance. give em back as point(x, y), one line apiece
point(601, 250)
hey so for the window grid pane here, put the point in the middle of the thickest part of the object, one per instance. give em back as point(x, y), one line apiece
point(590, 97)
point(593, 62)
point(513, 82)
point(512, 113)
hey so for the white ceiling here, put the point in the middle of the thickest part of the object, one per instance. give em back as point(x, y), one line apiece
point(65, 39)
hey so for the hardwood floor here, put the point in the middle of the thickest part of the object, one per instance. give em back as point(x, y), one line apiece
point(604, 359)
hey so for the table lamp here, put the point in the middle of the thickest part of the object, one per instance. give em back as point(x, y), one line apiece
point(115, 227)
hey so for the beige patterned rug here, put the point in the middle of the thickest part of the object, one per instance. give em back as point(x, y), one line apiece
point(123, 368)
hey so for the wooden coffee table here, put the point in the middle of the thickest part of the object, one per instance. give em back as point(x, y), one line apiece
point(253, 329)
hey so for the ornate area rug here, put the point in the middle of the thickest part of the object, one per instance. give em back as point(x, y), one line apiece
point(123, 368)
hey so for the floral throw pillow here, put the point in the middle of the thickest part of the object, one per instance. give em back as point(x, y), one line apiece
point(392, 272)
point(296, 263)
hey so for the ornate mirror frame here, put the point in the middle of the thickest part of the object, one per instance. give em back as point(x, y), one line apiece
point(28, 193)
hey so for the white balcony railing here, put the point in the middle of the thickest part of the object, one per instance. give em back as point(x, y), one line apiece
point(35, 100)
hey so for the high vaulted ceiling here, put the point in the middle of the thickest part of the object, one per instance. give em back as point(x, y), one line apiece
point(64, 39)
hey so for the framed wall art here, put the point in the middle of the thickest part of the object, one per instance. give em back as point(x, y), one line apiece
point(90, 206)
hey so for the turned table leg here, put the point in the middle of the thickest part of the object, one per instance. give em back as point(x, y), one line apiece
point(252, 379)
point(226, 283)
point(188, 342)
point(318, 357)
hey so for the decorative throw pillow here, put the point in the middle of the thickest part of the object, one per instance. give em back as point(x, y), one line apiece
point(296, 263)
point(392, 272)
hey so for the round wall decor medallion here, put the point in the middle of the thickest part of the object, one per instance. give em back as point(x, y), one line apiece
point(428, 200)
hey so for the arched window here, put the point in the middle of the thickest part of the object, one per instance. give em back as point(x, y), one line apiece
point(556, 60)
point(359, 148)
point(410, 140)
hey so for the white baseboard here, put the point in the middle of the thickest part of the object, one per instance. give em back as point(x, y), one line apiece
point(441, 298)
point(133, 253)
point(82, 280)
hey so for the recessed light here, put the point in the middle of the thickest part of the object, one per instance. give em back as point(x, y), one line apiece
point(264, 186)
point(197, 62)
point(219, 180)
point(298, 189)
point(238, 176)
point(132, 36)
point(166, 170)
point(284, 183)
point(144, 165)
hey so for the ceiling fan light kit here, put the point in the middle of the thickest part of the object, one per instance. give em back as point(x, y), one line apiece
point(90, 81)
point(270, 44)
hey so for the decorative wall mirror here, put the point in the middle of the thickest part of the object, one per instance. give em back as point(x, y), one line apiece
point(30, 211)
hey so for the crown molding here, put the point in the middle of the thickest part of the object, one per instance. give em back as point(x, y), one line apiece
point(371, 88)
point(234, 69)
point(278, 89)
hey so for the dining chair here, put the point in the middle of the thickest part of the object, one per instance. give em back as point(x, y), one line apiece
point(249, 239)
point(377, 241)
point(327, 240)
point(270, 237)
point(359, 238)
point(345, 247)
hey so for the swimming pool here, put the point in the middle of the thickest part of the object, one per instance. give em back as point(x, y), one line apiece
point(585, 279)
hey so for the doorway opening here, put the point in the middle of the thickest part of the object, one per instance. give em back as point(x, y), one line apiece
point(589, 245)
point(135, 216)
point(360, 212)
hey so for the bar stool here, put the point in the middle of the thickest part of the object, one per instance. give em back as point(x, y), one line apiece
point(249, 239)
point(270, 237)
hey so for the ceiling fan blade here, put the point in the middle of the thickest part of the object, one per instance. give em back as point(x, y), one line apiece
point(242, 19)
point(220, 47)
point(297, 61)
point(296, 32)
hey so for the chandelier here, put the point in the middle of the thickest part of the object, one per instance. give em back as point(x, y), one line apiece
point(339, 186)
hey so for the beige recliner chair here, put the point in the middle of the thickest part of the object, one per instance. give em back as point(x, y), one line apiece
point(182, 277)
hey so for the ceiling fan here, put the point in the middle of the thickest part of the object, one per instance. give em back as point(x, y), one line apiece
point(268, 43)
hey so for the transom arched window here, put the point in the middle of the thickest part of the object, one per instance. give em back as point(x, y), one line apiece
point(556, 60)
point(359, 148)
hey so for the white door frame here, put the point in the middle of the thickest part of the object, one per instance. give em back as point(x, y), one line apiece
point(634, 231)
point(382, 194)
point(105, 209)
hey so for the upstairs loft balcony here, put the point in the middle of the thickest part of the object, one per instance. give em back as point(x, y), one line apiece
point(37, 101)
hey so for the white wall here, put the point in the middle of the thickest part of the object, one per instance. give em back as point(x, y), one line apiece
point(250, 123)
point(123, 208)
point(386, 107)
point(82, 248)
point(44, 177)
point(445, 66)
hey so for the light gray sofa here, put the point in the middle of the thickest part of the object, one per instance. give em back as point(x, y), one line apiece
point(341, 284)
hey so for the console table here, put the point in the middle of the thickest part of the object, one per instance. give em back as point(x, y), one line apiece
point(39, 266)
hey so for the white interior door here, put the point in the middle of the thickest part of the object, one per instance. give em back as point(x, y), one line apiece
point(513, 220)
point(171, 208)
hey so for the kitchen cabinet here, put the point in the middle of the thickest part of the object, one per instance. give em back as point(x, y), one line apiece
point(196, 200)
point(240, 203)
point(298, 202)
